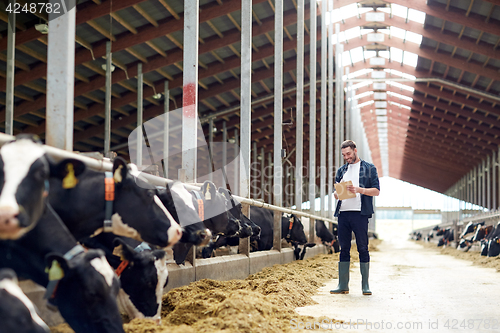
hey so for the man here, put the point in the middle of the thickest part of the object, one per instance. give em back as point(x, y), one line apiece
point(353, 214)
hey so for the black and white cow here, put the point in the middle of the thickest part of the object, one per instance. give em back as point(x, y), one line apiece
point(248, 227)
point(448, 236)
point(292, 231)
point(24, 171)
point(141, 270)
point(17, 312)
point(212, 207)
point(493, 241)
point(179, 203)
point(135, 209)
point(84, 285)
point(328, 238)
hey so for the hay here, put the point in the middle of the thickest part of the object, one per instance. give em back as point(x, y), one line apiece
point(263, 302)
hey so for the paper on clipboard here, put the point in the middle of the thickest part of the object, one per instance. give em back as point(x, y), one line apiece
point(342, 192)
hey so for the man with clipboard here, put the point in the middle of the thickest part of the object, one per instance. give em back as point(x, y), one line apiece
point(356, 182)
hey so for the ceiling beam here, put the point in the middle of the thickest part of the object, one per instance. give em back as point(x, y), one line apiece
point(453, 15)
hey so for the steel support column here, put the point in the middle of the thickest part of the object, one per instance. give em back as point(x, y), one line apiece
point(253, 182)
point(324, 65)
point(224, 155)
point(236, 189)
point(494, 180)
point(61, 77)
point(312, 117)
point(166, 130)
point(140, 108)
point(262, 174)
point(11, 70)
point(488, 182)
point(278, 120)
point(190, 89)
point(211, 149)
point(107, 101)
point(332, 165)
point(245, 111)
point(299, 143)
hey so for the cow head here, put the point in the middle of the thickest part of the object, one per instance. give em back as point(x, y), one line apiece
point(216, 216)
point(234, 209)
point(494, 247)
point(139, 209)
point(143, 279)
point(88, 282)
point(24, 171)
point(17, 312)
point(179, 203)
point(292, 229)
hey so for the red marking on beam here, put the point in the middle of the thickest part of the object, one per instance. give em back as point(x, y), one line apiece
point(189, 100)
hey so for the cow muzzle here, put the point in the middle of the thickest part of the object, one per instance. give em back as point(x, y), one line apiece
point(205, 236)
point(9, 222)
point(174, 234)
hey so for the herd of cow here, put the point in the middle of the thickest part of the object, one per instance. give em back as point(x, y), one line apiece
point(486, 236)
point(95, 240)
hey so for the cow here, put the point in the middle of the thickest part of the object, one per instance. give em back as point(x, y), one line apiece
point(142, 272)
point(221, 241)
point(116, 202)
point(492, 240)
point(81, 284)
point(471, 227)
point(448, 236)
point(328, 238)
point(17, 312)
point(212, 207)
point(179, 203)
point(292, 231)
point(24, 171)
point(248, 227)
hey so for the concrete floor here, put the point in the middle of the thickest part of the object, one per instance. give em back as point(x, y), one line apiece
point(415, 289)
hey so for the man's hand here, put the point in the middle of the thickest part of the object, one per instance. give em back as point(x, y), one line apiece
point(355, 189)
point(335, 195)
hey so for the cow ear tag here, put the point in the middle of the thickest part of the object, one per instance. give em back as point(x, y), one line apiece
point(55, 271)
point(70, 180)
point(208, 195)
point(118, 251)
point(117, 176)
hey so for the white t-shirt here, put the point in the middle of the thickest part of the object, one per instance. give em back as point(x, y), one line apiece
point(352, 174)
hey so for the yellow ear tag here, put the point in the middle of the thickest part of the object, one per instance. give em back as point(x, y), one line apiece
point(70, 180)
point(118, 251)
point(55, 272)
point(208, 196)
point(117, 176)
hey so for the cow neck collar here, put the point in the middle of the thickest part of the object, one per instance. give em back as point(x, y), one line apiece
point(109, 196)
point(51, 290)
point(201, 208)
point(124, 264)
point(288, 235)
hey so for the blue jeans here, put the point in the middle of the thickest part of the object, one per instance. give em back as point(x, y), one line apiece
point(350, 221)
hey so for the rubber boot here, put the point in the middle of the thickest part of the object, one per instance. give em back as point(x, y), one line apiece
point(364, 268)
point(343, 287)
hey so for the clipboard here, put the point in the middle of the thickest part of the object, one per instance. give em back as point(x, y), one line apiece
point(342, 192)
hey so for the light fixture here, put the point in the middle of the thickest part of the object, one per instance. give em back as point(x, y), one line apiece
point(103, 66)
point(43, 28)
point(157, 96)
point(214, 129)
point(232, 140)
